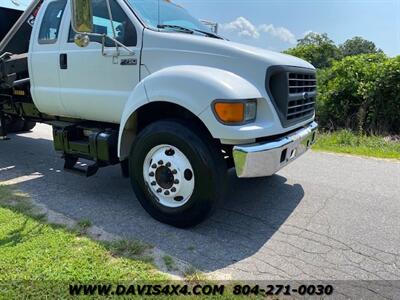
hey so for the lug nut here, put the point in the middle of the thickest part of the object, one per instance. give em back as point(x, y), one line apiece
point(160, 162)
point(170, 152)
point(153, 183)
point(174, 172)
point(151, 174)
point(166, 193)
point(154, 166)
point(168, 164)
point(176, 181)
point(159, 190)
point(173, 190)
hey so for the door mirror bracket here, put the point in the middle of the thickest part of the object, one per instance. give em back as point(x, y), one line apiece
point(82, 23)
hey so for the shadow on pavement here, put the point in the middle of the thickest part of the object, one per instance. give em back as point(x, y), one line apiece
point(253, 211)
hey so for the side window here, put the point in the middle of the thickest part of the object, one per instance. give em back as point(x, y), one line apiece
point(124, 29)
point(51, 21)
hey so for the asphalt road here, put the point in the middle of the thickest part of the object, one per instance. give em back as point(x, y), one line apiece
point(323, 217)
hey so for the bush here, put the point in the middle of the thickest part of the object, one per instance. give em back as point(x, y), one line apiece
point(361, 93)
point(386, 91)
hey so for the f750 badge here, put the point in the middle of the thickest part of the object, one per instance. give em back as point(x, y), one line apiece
point(128, 62)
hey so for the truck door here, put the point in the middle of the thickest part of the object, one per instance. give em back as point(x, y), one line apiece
point(44, 58)
point(96, 86)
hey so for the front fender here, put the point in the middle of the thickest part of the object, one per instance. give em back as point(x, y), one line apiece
point(195, 87)
point(190, 86)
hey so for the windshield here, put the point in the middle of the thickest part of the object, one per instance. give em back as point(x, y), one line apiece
point(164, 12)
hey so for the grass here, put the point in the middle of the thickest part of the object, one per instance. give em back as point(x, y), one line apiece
point(40, 260)
point(193, 275)
point(84, 224)
point(31, 249)
point(169, 262)
point(130, 249)
point(345, 141)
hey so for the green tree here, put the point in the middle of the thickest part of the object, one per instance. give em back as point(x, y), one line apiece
point(361, 93)
point(318, 49)
point(357, 45)
point(314, 38)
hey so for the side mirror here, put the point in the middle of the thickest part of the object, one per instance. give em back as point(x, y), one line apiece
point(82, 16)
point(82, 40)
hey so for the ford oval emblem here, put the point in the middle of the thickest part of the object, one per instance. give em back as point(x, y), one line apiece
point(305, 96)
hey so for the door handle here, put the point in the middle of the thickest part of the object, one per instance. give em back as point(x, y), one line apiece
point(63, 61)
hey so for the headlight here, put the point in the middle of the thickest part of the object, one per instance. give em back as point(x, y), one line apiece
point(235, 112)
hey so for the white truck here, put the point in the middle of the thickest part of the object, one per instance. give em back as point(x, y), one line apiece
point(144, 84)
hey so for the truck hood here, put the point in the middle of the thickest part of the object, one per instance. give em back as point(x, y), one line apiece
point(264, 54)
point(195, 49)
point(169, 49)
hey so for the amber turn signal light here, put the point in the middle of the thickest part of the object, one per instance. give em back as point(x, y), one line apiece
point(230, 112)
point(235, 112)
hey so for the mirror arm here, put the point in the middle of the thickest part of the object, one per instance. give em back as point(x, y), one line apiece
point(112, 23)
point(122, 46)
point(103, 40)
point(82, 17)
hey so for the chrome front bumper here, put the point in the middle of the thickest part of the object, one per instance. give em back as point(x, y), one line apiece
point(265, 159)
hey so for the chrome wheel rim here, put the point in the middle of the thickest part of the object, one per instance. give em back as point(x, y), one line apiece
point(169, 176)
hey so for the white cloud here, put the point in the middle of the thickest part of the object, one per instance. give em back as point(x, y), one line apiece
point(281, 33)
point(244, 28)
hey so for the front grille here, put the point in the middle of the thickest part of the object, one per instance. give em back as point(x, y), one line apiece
point(302, 92)
point(293, 92)
point(300, 83)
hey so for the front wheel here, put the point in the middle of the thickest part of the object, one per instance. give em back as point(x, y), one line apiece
point(177, 172)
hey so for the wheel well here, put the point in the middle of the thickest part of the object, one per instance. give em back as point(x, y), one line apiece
point(156, 111)
point(152, 112)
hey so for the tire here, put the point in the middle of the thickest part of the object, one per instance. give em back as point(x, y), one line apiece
point(14, 125)
point(201, 180)
point(28, 125)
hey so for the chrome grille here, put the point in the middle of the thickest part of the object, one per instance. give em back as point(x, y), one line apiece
point(302, 93)
point(293, 91)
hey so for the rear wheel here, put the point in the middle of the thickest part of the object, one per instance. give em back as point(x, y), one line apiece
point(15, 125)
point(177, 173)
point(29, 125)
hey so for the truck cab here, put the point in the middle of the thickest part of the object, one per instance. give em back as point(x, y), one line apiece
point(146, 85)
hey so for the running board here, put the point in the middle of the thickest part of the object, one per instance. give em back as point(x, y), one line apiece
point(86, 171)
point(76, 141)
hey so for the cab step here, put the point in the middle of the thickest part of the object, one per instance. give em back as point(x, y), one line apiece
point(83, 171)
point(72, 165)
point(80, 141)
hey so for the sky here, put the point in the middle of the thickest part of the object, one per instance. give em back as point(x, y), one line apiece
point(277, 24)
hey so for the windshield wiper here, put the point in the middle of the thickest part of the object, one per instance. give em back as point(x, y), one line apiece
point(209, 34)
point(189, 30)
point(184, 29)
